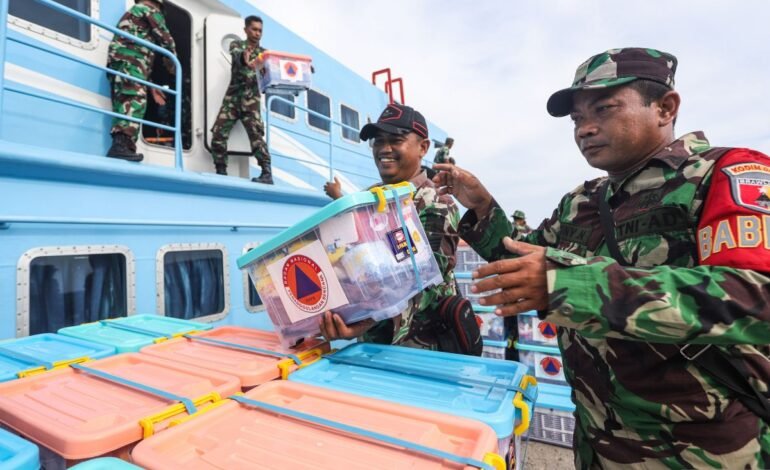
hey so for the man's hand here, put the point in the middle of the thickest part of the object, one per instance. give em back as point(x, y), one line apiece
point(468, 190)
point(332, 327)
point(249, 63)
point(158, 96)
point(333, 189)
point(522, 280)
point(169, 65)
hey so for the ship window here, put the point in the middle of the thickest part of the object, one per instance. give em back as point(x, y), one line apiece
point(194, 281)
point(53, 20)
point(349, 118)
point(282, 108)
point(322, 105)
point(253, 302)
point(67, 290)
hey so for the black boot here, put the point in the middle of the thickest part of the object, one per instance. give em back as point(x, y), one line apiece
point(121, 148)
point(267, 176)
point(221, 168)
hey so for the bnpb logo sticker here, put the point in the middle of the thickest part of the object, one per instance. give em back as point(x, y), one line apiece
point(550, 365)
point(547, 329)
point(305, 284)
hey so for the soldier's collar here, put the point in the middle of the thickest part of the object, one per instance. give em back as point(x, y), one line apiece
point(678, 151)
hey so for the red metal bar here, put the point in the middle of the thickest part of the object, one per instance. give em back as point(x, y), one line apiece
point(388, 89)
point(400, 82)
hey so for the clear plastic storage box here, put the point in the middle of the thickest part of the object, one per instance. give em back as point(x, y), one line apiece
point(533, 330)
point(282, 71)
point(544, 362)
point(351, 257)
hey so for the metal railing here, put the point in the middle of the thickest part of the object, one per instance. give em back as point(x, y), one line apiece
point(176, 92)
point(329, 141)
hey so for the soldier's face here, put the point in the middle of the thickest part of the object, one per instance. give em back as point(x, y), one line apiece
point(614, 129)
point(397, 156)
point(253, 31)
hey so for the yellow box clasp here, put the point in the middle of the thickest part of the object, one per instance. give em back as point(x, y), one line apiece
point(287, 366)
point(519, 403)
point(494, 460)
point(56, 365)
point(148, 423)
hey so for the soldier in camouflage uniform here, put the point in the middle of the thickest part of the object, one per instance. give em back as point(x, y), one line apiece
point(687, 275)
point(442, 154)
point(144, 20)
point(242, 102)
point(400, 141)
point(520, 221)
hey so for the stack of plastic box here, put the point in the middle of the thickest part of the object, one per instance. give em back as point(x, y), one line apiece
point(553, 422)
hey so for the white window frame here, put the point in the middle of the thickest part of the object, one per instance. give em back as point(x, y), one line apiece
point(247, 283)
point(283, 117)
point(61, 37)
point(160, 286)
point(23, 273)
point(342, 129)
point(307, 115)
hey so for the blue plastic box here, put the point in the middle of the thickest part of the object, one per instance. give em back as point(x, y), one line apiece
point(554, 420)
point(18, 453)
point(105, 463)
point(533, 330)
point(45, 351)
point(467, 386)
point(544, 362)
point(130, 334)
point(351, 257)
point(282, 71)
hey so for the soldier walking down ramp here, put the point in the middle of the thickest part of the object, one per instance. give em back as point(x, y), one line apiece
point(144, 20)
point(657, 275)
point(242, 102)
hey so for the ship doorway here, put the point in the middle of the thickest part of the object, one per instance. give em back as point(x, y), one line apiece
point(179, 23)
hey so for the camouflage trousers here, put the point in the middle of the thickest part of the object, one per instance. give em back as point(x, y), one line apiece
point(242, 107)
point(129, 98)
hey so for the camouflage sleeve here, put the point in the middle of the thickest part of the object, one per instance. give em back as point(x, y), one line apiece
point(485, 236)
point(236, 51)
point(160, 32)
point(665, 304)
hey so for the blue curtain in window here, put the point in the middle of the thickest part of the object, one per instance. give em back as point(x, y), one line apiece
point(193, 283)
point(70, 290)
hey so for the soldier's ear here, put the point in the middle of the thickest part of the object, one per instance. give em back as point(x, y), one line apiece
point(668, 108)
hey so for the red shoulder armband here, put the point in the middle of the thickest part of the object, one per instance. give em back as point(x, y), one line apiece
point(734, 228)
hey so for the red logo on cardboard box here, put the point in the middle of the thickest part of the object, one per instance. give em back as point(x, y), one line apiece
point(305, 283)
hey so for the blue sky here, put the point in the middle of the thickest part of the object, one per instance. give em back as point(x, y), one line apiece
point(484, 69)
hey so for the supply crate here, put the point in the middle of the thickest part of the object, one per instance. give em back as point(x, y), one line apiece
point(533, 330)
point(483, 389)
point(18, 453)
point(282, 71)
point(554, 420)
point(544, 362)
point(362, 256)
point(287, 425)
point(254, 356)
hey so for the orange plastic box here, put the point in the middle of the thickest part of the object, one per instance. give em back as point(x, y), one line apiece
point(252, 367)
point(78, 415)
point(236, 436)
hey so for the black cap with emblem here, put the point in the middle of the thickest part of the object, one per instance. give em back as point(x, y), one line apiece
point(397, 119)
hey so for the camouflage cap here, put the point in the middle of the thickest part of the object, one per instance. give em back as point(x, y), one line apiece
point(612, 68)
point(519, 215)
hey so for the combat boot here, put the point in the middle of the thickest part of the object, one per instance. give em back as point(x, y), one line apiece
point(221, 168)
point(267, 176)
point(121, 148)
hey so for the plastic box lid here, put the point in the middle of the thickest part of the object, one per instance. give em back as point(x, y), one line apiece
point(105, 463)
point(79, 416)
point(557, 397)
point(286, 55)
point(332, 209)
point(240, 436)
point(492, 405)
point(537, 348)
point(47, 349)
point(251, 368)
point(18, 453)
point(153, 327)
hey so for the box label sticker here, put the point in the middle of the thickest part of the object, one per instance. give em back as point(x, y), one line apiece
point(548, 367)
point(306, 282)
point(545, 332)
point(398, 244)
point(290, 70)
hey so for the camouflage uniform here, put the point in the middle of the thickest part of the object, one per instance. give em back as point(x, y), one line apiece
point(439, 217)
point(640, 403)
point(147, 22)
point(241, 102)
point(442, 156)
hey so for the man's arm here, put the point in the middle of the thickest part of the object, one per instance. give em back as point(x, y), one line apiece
point(159, 31)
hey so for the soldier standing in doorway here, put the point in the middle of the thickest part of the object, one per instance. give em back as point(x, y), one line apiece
point(144, 20)
point(242, 102)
